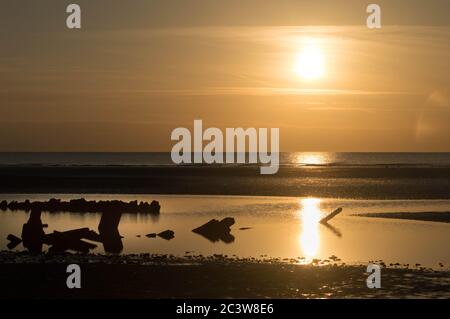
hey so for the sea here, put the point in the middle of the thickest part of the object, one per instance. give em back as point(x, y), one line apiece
point(268, 226)
point(164, 158)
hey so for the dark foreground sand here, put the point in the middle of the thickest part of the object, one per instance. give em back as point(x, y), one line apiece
point(152, 276)
point(442, 217)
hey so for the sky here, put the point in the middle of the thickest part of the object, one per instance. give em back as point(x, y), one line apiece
point(136, 70)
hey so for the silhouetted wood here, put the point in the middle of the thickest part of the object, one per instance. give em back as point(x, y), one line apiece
point(34, 236)
point(330, 216)
point(74, 234)
point(13, 241)
point(109, 231)
point(33, 233)
point(63, 241)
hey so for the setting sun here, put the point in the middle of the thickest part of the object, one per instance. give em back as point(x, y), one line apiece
point(310, 62)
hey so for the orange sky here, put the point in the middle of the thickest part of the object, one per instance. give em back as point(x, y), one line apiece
point(138, 70)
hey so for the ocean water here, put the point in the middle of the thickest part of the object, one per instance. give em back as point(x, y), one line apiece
point(279, 227)
point(286, 159)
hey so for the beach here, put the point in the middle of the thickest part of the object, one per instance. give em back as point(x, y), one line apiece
point(394, 215)
point(163, 276)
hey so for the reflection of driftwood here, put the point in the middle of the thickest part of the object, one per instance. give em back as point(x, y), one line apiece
point(215, 230)
point(83, 206)
point(333, 229)
point(330, 216)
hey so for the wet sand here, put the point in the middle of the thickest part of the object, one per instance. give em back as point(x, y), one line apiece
point(163, 276)
point(442, 217)
point(359, 182)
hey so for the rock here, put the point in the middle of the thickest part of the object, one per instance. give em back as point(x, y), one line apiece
point(245, 228)
point(151, 235)
point(155, 207)
point(167, 234)
point(215, 230)
point(3, 205)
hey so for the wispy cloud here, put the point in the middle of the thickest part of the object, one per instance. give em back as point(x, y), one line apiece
point(261, 91)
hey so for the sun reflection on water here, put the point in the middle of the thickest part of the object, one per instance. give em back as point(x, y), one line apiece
point(309, 236)
point(309, 158)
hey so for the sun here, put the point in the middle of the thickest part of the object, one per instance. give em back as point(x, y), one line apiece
point(310, 62)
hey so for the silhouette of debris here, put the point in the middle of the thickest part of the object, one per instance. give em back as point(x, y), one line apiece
point(167, 234)
point(330, 216)
point(14, 241)
point(215, 230)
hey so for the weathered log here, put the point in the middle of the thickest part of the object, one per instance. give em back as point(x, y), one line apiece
point(13, 241)
point(330, 216)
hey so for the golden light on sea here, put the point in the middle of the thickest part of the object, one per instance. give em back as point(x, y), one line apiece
point(311, 159)
point(309, 236)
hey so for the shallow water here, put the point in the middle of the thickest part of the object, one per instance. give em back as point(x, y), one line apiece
point(280, 227)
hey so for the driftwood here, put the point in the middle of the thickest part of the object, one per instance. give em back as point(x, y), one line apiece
point(330, 216)
point(34, 237)
point(324, 221)
point(63, 241)
point(13, 241)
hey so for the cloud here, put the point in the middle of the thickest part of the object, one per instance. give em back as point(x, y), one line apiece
point(262, 91)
